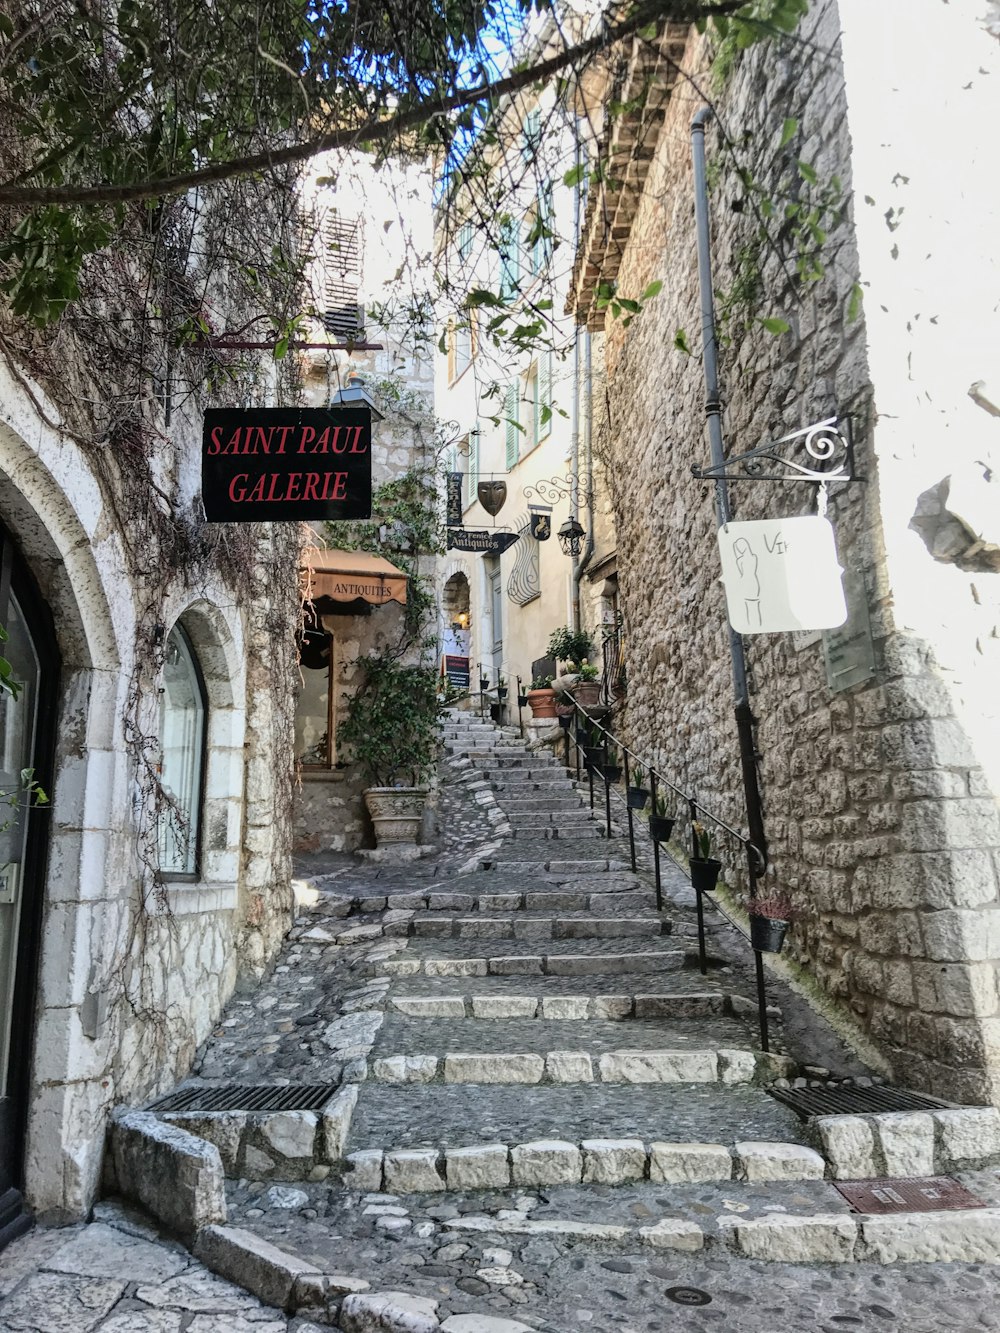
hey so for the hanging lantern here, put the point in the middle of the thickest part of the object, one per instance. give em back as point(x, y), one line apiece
point(571, 536)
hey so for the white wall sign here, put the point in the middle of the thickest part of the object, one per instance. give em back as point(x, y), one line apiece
point(782, 574)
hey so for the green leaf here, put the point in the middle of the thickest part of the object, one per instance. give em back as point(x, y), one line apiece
point(807, 172)
point(652, 290)
point(574, 176)
point(854, 303)
point(681, 342)
point(776, 325)
point(788, 131)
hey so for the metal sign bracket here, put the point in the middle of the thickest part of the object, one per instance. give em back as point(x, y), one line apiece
point(829, 450)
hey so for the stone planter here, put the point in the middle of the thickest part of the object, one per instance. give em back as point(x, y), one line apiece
point(660, 828)
point(767, 933)
point(396, 812)
point(637, 797)
point(704, 874)
point(542, 703)
point(587, 693)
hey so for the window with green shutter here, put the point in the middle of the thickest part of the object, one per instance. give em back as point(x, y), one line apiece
point(510, 259)
point(473, 462)
point(531, 135)
point(543, 397)
point(542, 227)
point(510, 413)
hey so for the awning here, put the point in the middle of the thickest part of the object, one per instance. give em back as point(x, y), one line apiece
point(348, 576)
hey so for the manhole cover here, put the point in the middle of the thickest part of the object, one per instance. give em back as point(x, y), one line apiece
point(239, 1097)
point(912, 1194)
point(688, 1296)
point(849, 1099)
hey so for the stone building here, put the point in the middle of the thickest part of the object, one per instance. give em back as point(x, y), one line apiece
point(868, 151)
point(153, 657)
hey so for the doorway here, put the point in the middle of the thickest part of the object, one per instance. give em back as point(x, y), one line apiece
point(495, 586)
point(27, 716)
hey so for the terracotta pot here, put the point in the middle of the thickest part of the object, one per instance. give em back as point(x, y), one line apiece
point(397, 812)
point(543, 703)
point(587, 693)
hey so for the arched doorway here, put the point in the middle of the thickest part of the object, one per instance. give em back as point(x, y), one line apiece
point(457, 635)
point(27, 718)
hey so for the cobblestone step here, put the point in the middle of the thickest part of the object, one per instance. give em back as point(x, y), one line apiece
point(540, 819)
point(588, 829)
point(524, 964)
point(527, 926)
point(431, 998)
point(516, 859)
point(514, 1022)
point(539, 803)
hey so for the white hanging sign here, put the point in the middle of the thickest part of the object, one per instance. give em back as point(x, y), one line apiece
point(782, 574)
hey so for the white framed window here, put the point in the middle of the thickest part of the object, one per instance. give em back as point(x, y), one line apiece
point(343, 248)
point(183, 721)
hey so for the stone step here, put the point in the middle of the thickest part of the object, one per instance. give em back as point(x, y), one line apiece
point(516, 964)
point(588, 829)
point(511, 858)
point(539, 804)
point(528, 926)
point(516, 779)
point(541, 819)
point(578, 1008)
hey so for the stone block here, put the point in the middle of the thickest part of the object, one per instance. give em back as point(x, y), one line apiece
point(546, 1162)
point(241, 1257)
point(484, 1166)
point(405, 1068)
point(565, 1006)
point(849, 1146)
point(388, 1312)
point(430, 1006)
point(677, 1163)
point(482, 1323)
point(291, 1134)
point(907, 1142)
point(614, 1007)
point(413, 1171)
point(176, 1177)
point(504, 1006)
point(493, 1068)
point(777, 1161)
point(613, 1161)
point(484, 928)
point(522, 965)
point(569, 1067)
point(671, 1233)
point(223, 1128)
point(737, 1066)
point(658, 1067)
point(678, 1006)
point(455, 967)
point(397, 967)
point(968, 1136)
point(335, 1123)
point(363, 1170)
point(782, 1238)
point(967, 1236)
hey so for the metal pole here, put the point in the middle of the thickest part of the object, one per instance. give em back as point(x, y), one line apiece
point(607, 800)
point(628, 810)
point(520, 721)
point(656, 845)
point(702, 960)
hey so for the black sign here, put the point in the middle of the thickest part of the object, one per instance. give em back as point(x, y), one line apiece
point(279, 463)
point(485, 543)
point(456, 669)
point(454, 519)
point(541, 525)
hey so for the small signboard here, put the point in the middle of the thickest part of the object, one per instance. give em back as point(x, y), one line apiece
point(782, 574)
point(483, 543)
point(456, 670)
point(263, 464)
point(454, 505)
point(848, 651)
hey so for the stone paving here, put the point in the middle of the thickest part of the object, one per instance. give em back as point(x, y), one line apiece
point(530, 1184)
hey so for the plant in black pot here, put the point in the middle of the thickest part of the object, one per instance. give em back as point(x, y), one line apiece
point(637, 794)
point(661, 826)
point(501, 689)
point(611, 767)
point(704, 868)
point(769, 918)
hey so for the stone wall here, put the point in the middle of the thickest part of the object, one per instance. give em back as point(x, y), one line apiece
point(880, 805)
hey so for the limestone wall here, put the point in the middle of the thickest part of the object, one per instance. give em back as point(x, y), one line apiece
point(880, 801)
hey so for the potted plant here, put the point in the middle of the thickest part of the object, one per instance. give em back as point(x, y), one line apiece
point(611, 769)
point(392, 730)
point(501, 689)
point(704, 868)
point(637, 795)
point(660, 825)
point(542, 697)
point(587, 690)
point(769, 918)
point(571, 646)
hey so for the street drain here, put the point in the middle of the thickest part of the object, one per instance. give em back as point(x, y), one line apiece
point(852, 1099)
point(910, 1194)
point(239, 1097)
point(688, 1296)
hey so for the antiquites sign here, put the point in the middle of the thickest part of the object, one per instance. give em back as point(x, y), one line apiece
point(282, 463)
point(483, 543)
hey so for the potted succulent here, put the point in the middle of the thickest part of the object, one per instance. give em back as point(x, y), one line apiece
point(542, 697)
point(611, 769)
point(391, 728)
point(660, 825)
point(704, 868)
point(501, 689)
point(637, 795)
point(769, 918)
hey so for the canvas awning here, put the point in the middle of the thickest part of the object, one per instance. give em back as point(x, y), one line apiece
point(348, 576)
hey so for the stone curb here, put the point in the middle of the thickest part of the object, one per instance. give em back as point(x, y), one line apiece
point(560, 1162)
point(618, 1067)
point(481, 927)
point(553, 965)
point(910, 1143)
point(571, 1008)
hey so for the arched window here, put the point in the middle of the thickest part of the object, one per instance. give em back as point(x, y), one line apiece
point(182, 755)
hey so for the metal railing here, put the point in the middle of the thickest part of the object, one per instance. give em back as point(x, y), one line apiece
point(593, 743)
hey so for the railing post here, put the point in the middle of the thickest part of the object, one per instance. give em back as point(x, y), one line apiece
point(607, 798)
point(752, 871)
point(628, 809)
point(656, 844)
point(702, 959)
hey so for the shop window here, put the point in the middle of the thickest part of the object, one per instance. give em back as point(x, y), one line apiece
point(314, 730)
point(182, 756)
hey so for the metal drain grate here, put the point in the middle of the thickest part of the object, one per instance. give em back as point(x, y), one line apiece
point(912, 1194)
point(849, 1099)
point(239, 1097)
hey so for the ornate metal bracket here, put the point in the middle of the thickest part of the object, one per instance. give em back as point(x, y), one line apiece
point(550, 489)
point(828, 445)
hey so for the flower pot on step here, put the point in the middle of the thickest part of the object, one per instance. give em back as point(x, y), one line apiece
point(660, 828)
point(396, 812)
point(587, 693)
point(542, 702)
point(637, 798)
point(704, 873)
point(522, 701)
point(767, 933)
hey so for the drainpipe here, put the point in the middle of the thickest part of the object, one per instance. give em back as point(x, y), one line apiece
point(574, 467)
point(580, 565)
point(713, 413)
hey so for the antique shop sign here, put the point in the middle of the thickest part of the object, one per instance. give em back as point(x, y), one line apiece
point(483, 543)
point(782, 574)
point(454, 506)
point(281, 463)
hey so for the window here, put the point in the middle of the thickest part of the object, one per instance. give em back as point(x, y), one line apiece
point(465, 238)
point(540, 228)
point(531, 135)
point(182, 756)
point(474, 438)
point(513, 429)
point(343, 313)
point(314, 730)
point(460, 348)
point(541, 397)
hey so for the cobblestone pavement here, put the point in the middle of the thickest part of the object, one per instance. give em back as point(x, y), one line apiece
point(503, 991)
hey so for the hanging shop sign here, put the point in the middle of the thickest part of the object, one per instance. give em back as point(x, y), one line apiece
point(280, 463)
point(492, 495)
point(782, 574)
point(483, 543)
point(541, 524)
point(456, 670)
point(454, 497)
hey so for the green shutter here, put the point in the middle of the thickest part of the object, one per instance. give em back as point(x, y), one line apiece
point(510, 412)
point(510, 259)
point(541, 251)
point(544, 395)
point(474, 462)
point(531, 135)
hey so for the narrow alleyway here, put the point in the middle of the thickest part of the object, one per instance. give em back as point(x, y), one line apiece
point(557, 1116)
